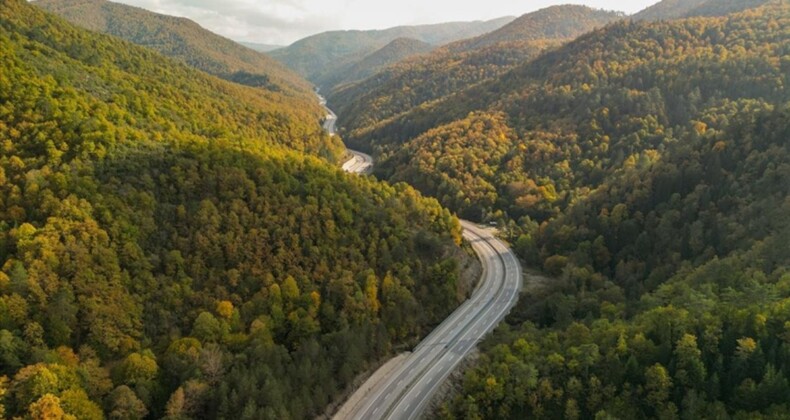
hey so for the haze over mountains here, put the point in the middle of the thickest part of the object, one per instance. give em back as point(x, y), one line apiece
point(417, 81)
point(327, 55)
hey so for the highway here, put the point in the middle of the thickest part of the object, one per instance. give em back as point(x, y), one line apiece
point(405, 391)
point(360, 163)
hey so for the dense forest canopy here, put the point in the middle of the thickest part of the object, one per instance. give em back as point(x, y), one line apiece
point(356, 71)
point(644, 167)
point(675, 9)
point(323, 58)
point(167, 250)
point(567, 120)
point(183, 40)
point(413, 82)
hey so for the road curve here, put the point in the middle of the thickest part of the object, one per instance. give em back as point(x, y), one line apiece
point(407, 390)
point(404, 392)
point(360, 163)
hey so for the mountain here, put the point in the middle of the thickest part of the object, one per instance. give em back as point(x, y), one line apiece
point(642, 170)
point(261, 47)
point(555, 22)
point(173, 245)
point(675, 9)
point(181, 39)
point(560, 95)
point(418, 81)
point(391, 53)
point(317, 56)
point(724, 7)
point(669, 9)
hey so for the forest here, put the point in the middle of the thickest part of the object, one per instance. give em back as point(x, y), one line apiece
point(671, 294)
point(176, 246)
point(643, 168)
point(458, 65)
point(185, 41)
point(555, 128)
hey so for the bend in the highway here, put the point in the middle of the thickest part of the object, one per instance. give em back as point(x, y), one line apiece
point(405, 392)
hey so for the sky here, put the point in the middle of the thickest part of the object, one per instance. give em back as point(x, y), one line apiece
point(281, 22)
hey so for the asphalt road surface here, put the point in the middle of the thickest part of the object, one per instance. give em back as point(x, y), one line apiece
point(405, 392)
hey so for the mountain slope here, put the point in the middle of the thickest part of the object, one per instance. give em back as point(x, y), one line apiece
point(644, 168)
point(555, 22)
point(676, 9)
point(391, 53)
point(458, 65)
point(317, 56)
point(569, 96)
point(181, 39)
point(671, 291)
point(164, 251)
point(669, 9)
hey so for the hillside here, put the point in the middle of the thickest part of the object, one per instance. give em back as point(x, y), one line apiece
point(461, 64)
point(643, 168)
point(724, 7)
point(676, 9)
point(183, 40)
point(371, 64)
point(569, 96)
point(166, 253)
point(669, 9)
point(321, 55)
point(556, 22)
point(672, 288)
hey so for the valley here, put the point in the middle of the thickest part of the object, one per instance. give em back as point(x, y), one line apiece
point(187, 231)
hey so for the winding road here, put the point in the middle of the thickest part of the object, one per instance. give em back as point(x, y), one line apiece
point(404, 391)
point(360, 163)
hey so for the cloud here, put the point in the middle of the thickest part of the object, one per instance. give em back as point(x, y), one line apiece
point(285, 21)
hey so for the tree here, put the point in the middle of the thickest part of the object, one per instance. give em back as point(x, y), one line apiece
point(658, 384)
point(48, 408)
point(206, 328)
point(689, 367)
point(137, 368)
point(122, 403)
point(76, 402)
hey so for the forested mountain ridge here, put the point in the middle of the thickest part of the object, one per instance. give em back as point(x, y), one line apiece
point(183, 40)
point(568, 107)
point(164, 253)
point(323, 55)
point(676, 9)
point(563, 22)
point(672, 289)
point(644, 167)
point(395, 51)
point(459, 65)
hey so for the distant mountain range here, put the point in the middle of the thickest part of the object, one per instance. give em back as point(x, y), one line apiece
point(321, 57)
point(261, 47)
point(417, 81)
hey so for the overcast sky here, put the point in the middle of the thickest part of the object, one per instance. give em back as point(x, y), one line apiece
point(282, 22)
